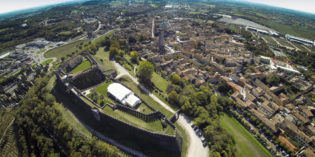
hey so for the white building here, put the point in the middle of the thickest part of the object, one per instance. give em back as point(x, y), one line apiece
point(123, 95)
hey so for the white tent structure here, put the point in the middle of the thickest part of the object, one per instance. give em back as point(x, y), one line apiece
point(123, 95)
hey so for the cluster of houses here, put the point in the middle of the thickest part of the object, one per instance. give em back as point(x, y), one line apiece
point(209, 55)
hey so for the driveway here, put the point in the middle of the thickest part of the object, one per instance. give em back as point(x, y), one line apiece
point(195, 147)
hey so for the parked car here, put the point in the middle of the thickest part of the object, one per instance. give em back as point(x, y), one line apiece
point(193, 126)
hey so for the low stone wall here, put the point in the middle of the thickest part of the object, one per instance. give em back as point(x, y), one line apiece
point(120, 130)
point(146, 117)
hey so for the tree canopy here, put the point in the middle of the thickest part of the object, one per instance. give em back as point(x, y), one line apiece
point(145, 71)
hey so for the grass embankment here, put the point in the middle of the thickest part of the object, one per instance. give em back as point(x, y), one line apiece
point(47, 62)
point(246, 144)
point(83, 66)
point(65, 50)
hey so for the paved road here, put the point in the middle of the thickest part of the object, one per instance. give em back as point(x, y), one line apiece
point(195, 148)
point(153, 27)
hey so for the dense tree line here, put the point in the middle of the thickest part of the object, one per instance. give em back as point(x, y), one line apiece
point(43, 132)
point(201, 104)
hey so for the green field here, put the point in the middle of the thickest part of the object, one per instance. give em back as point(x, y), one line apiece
point(246, 144)
point(65, 33)
point(102, 89)
point(83, 66)
point(64, 50)
point(47, 62)
point(102, 59)
point(159, 82)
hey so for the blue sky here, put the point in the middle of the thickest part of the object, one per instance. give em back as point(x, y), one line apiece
point(12, 5)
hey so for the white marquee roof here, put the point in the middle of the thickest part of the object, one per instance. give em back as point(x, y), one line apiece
point(119, 91)
point(132, 100)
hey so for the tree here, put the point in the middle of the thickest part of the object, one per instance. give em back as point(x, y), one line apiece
point(173, 98)
point(134, 56)
point(175, 79)
point(273, 80)
point(113, 52)
point(145, 71)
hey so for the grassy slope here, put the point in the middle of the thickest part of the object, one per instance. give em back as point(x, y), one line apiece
point(159, 82)
point(83, 66)
point(246, 144)
point(64, 50)
point(47, 62)
point(101, 54)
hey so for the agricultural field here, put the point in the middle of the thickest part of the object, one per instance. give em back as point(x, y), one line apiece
point(246, 144)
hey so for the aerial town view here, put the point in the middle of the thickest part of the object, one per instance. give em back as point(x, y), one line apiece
point(157, 78)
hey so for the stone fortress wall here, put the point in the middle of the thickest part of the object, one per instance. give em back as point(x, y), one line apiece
point(117, 129)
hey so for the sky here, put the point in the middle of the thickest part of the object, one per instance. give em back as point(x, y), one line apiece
point(12, 5)
point(300, 5)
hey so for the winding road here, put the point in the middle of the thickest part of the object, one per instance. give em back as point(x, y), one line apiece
point(195, 147)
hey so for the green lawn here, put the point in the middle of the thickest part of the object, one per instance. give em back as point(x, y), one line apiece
point(246, 143)
point(65, 33)
point(102, 89)
point(159, 82)
point(83, 66)
point(64, 50)
point(127, 82)
point(102, 58)
point(47, 62)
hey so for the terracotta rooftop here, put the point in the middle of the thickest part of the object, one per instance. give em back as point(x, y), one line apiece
point(287, 143)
